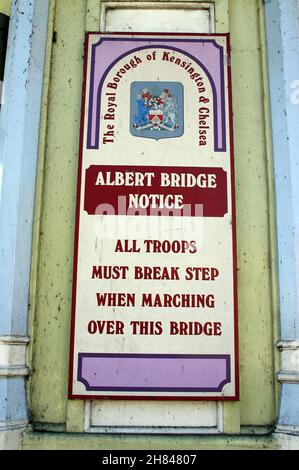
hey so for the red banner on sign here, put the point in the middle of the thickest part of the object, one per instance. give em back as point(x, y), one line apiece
point(152, 191)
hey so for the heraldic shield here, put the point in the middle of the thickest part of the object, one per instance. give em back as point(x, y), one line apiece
point(157, 110)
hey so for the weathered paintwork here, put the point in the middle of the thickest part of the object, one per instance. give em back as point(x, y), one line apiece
point(58, 441)
point(54, 235)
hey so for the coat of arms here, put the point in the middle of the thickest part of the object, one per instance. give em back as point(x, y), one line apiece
point(157, 109)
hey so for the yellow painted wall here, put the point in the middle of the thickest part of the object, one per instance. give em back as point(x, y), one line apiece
point(5, 7)
point(51, 279)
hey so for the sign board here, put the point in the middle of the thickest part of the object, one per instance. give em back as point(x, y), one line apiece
point(154, 289)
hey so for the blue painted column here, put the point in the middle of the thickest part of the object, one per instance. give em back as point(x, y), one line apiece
point(19, 133)
point(282, 25)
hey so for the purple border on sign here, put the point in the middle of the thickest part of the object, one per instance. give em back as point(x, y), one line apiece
point(154, 372)
point(101, 65)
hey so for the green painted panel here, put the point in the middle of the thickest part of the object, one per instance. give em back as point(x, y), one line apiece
point(5, 7)
point(54, 232)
